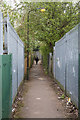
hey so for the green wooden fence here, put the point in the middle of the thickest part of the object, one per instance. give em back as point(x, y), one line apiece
point(5, 86)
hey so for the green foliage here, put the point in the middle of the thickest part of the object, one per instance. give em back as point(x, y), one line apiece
point(45, 52)
point(45, 28)
point(51, 25)
point(63, 96)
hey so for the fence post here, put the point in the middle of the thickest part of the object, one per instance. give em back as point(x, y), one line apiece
point(79, 87)
point(1, 33)
point(48, 63)
point(8, 33)
point(50, 57)
point(0, 87)
point(53, 62)
point(5, 33)
point(23, 61)
point(1, 52)
point(79, 71)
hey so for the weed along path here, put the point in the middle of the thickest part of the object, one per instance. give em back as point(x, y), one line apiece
point(40, 100)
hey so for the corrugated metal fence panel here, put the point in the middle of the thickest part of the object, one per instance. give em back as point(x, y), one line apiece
point(16, 47)
point(60, 60)
point(13, 48)
point(79, 38)
point(66, 63)
point(20, 62)
point(1, 34)
point(72, 64)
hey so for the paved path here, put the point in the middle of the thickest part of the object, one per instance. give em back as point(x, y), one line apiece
point(40, 101)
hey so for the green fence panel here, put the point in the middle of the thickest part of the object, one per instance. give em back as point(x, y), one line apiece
point(0, 87)
point(6, 81)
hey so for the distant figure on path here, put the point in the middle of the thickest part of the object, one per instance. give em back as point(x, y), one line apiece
point(36, 59)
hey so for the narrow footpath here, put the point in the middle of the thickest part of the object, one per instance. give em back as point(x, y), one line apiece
point(40, 100)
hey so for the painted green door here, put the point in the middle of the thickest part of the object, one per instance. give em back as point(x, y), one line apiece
point(0, 87)
point(6, 85)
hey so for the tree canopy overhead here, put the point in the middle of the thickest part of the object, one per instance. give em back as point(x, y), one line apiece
point(45, 27)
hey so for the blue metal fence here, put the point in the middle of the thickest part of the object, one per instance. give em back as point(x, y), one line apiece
point(10, 43)
point(16, 47)
point(65, 62)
